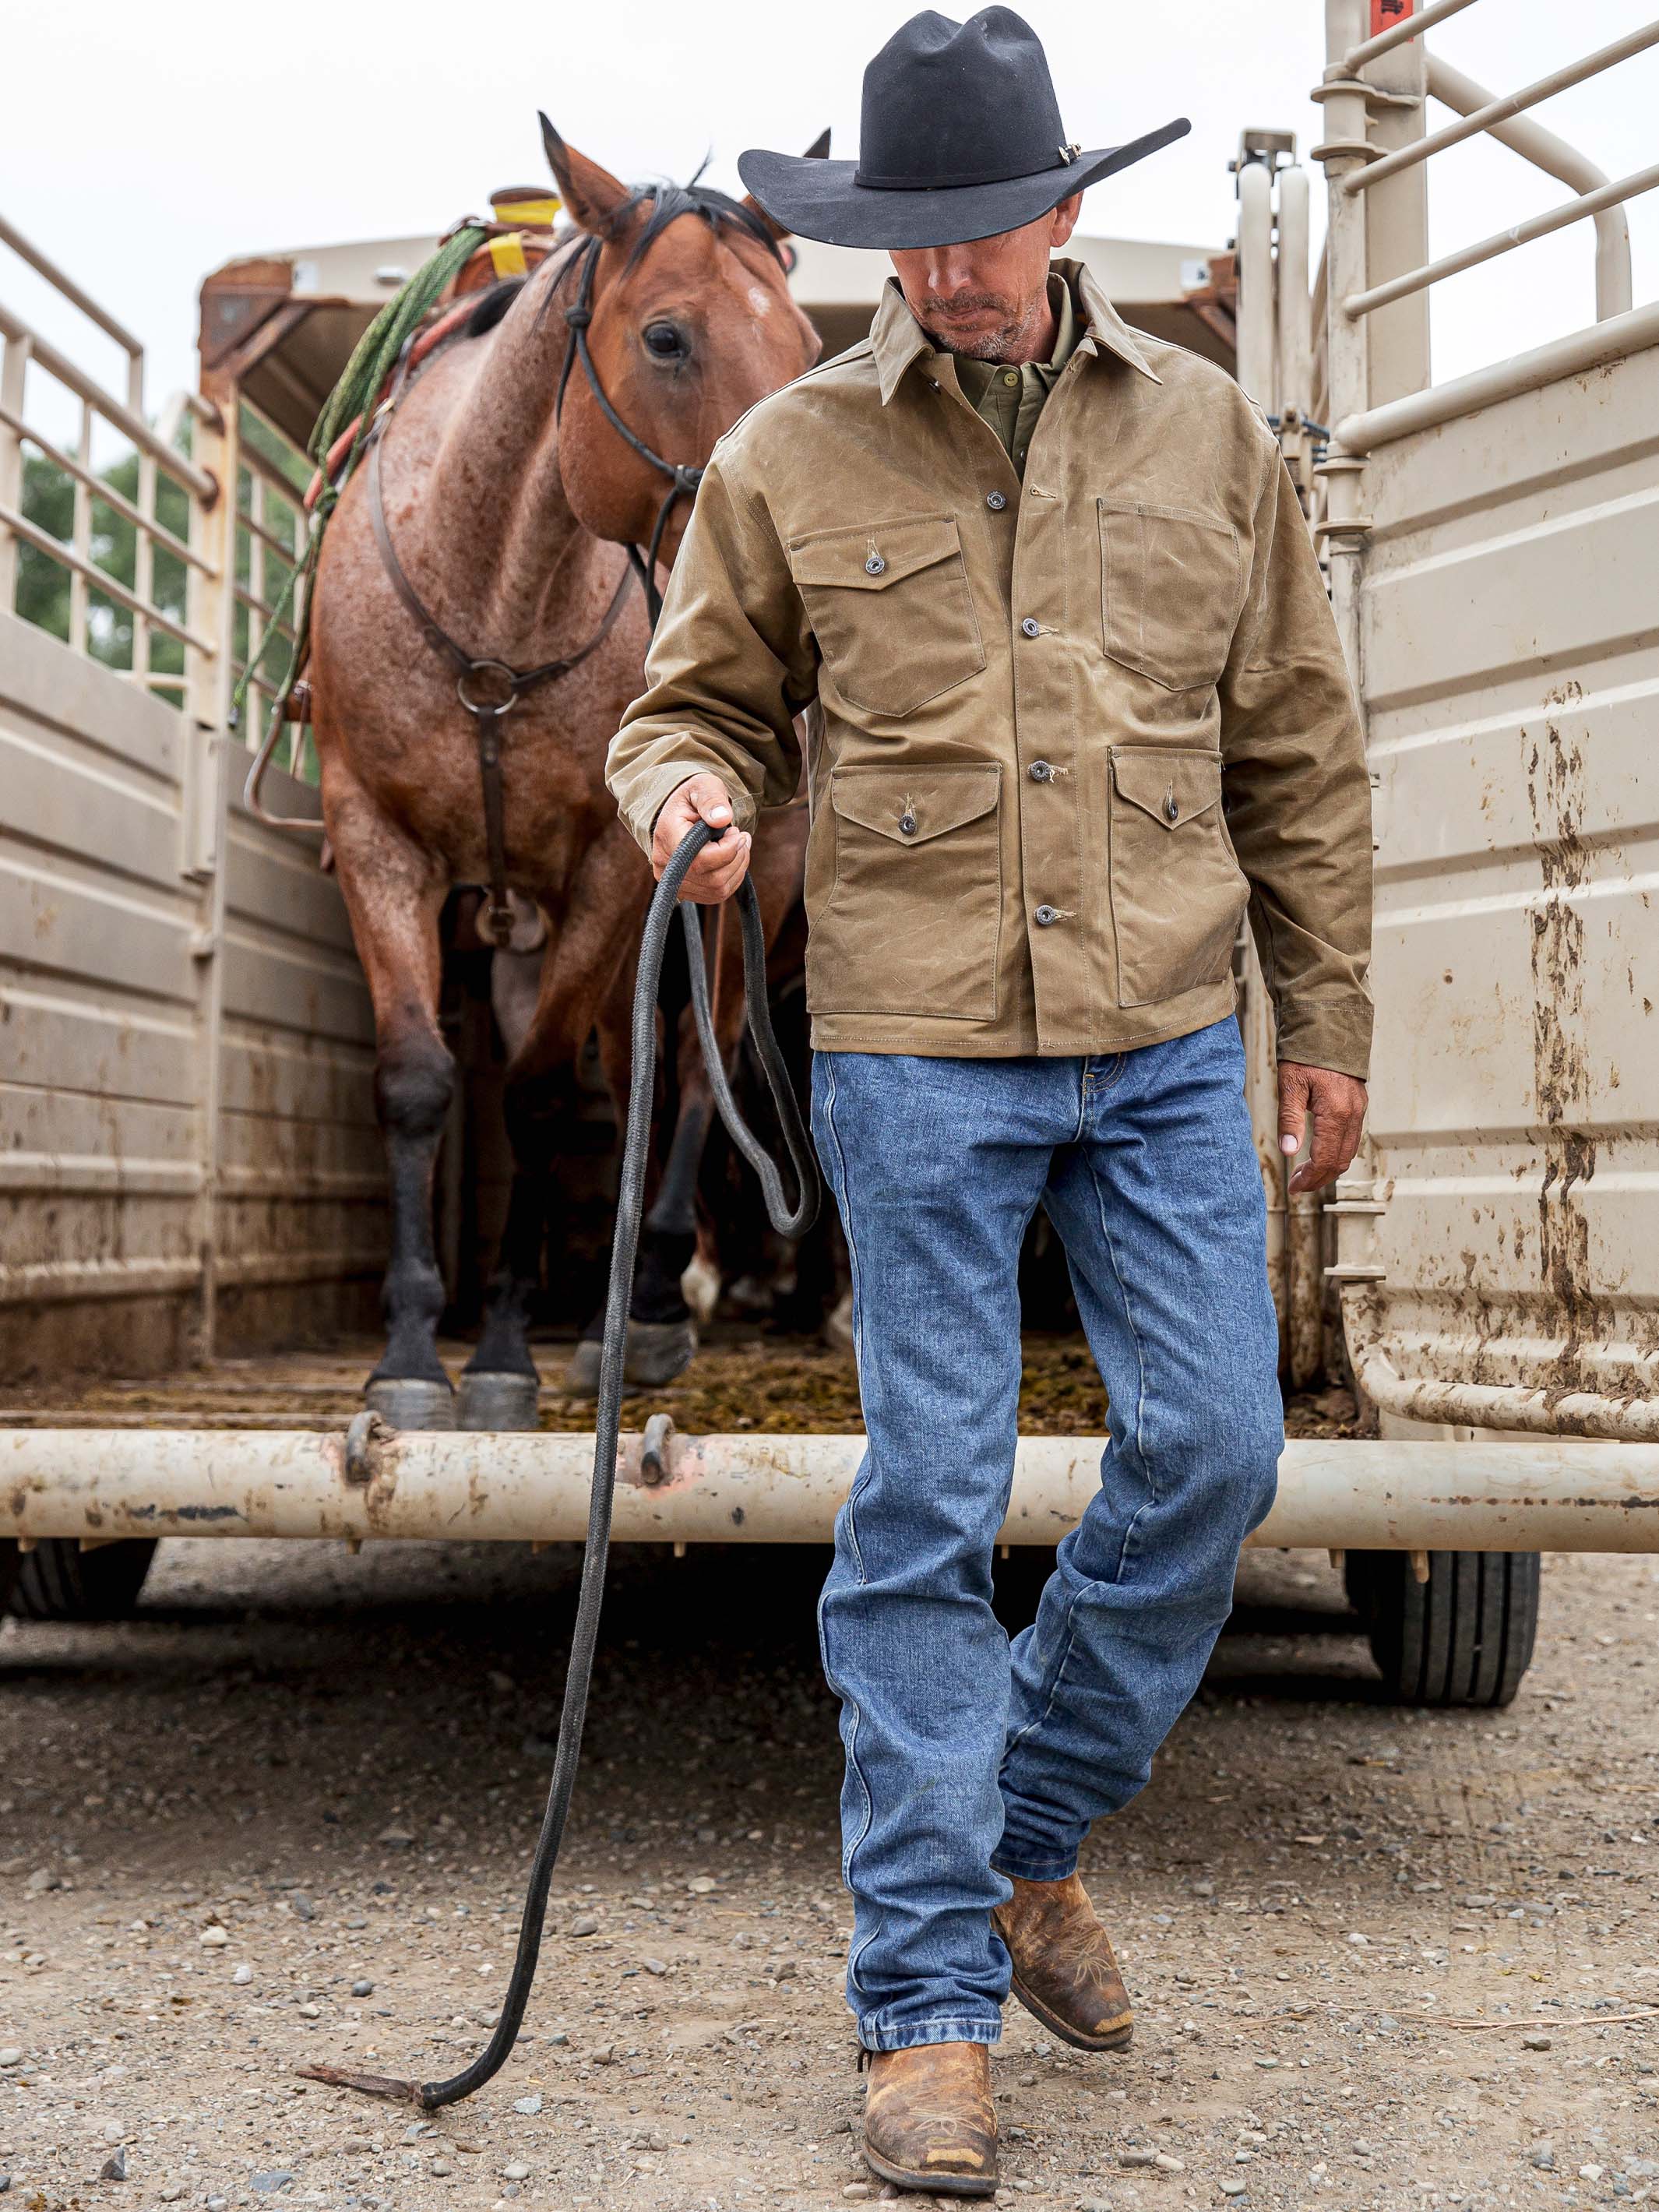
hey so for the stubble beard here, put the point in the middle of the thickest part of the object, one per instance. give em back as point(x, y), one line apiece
point(999, 344)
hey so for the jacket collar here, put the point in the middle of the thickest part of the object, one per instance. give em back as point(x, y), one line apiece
point(897, 339)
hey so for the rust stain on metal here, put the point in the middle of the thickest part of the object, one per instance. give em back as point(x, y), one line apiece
point(1561, 1065)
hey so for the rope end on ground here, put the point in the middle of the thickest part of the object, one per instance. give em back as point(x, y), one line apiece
point(369, 2085)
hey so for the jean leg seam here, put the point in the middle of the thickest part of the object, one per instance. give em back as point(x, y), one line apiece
point(1141, 1370)
point(1068, 1636)
point(857, 1273)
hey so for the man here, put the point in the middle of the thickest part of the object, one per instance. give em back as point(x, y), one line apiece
point(1074, 698)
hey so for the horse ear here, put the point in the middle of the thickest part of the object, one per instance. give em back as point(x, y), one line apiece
point(817, 151)
point(592, 196)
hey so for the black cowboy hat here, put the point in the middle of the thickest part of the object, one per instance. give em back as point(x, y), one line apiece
point(961, 138)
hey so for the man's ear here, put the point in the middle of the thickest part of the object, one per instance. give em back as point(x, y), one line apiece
point(1064, 219)
point(817, 151)
point(593, 197)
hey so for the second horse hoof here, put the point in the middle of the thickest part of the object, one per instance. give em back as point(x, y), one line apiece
point(410, 1401)
point(658, 1351)
point(494, 1402)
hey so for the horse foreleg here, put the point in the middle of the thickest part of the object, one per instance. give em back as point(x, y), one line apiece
point(499, 1386)
point(394, 898)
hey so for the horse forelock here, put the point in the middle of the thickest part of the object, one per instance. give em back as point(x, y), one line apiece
point(668, 201)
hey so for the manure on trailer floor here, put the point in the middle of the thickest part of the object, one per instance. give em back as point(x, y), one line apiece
point(742, 1378)
point(282, 1814)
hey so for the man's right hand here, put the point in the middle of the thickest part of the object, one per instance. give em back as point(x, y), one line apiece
point(722, 865)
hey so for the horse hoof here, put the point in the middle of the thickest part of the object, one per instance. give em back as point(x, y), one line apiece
point(658, 1351)
point(409, 1401)
point(582, 1377)
point(497, 1401)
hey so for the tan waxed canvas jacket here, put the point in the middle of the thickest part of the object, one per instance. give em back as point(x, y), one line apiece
point(1059, 732)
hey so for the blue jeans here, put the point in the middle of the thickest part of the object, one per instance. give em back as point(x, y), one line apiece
point(968, 1759)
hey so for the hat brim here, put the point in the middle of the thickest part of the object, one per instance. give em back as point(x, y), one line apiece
point(822, 199)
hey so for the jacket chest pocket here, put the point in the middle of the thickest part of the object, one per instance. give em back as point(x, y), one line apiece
point(890, 607)
point(1177, 893)
point(1171, 590)
point(912, 922)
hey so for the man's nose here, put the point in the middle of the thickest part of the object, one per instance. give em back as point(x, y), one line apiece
point(948, 271)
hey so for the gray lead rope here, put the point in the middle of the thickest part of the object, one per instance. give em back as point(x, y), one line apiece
point(429, 2097)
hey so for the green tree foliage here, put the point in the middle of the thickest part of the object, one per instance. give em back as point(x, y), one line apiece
point(44, 585)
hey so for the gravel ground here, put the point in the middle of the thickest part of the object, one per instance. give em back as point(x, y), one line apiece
point(1381, 1958)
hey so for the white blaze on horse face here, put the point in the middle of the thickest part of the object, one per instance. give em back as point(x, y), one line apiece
point(760, 300)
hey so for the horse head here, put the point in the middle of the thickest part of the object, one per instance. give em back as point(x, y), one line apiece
point(690, 321)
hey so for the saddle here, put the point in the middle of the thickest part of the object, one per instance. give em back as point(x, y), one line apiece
point(521, 236)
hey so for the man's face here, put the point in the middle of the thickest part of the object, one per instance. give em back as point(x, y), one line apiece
point(985, 298)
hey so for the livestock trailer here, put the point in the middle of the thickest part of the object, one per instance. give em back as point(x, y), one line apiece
point(189, 1165)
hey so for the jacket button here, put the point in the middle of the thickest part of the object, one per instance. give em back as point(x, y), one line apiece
point(1171, 809)
point(908, 824)
point(1031, 626)
point(874, 565)
point(1045, 915)
point(1041, 772)
point(996, 501)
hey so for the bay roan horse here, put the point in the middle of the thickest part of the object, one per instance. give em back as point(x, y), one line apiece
point(509, 495)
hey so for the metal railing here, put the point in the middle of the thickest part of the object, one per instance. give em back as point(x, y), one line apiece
point(269, 541)
point(165, 476)
point(1358, 167)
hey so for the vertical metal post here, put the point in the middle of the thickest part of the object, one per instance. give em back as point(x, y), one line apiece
point(212, 603)
point(144, 550)
point(81, 535)
point(1295, 323)
point(211, 598)
point(1347, 148)
point(13, 371)
point(1257, 313)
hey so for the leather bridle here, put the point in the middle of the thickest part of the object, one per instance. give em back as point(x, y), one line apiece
point(488, 688)
point(683, 481)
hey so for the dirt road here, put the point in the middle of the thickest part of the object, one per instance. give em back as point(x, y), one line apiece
point(282, 1814)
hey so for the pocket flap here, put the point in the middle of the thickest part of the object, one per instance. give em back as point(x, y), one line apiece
point(1170, 785)
point(901, 547)
point(934, 799)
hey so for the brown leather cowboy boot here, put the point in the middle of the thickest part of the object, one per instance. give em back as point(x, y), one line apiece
point(928, 2119)
point(1065, 1974)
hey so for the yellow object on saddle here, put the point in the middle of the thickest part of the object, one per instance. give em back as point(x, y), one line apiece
point(507, 254)
point(538, 210)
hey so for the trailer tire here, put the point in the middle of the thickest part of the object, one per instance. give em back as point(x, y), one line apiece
point(58, 1581)
point(1463, 1638)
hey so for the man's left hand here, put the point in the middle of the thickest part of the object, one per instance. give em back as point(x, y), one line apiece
point(1337, 1103)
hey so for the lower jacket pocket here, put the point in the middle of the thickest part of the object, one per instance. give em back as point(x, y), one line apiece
point(1177, 893)
point(912, 921)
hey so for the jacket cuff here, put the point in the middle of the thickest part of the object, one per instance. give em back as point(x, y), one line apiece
point(1334, 1033)
point(648, 796)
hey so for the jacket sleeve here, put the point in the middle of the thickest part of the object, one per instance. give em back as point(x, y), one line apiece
point(733, 663)
point(1297, 795)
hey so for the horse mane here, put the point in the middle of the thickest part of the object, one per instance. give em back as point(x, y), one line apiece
point(493, 304)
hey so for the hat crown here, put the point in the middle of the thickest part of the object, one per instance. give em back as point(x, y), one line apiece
point(948, 104)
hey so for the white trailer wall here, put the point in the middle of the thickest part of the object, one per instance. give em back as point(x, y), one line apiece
point(1509, 642)
point(187, 1145)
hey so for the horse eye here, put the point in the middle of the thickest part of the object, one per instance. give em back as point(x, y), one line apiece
point(664, 340)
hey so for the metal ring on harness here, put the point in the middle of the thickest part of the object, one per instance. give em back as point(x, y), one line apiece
point(488, 705)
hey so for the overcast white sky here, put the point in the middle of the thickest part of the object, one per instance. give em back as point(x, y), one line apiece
point(145, 144)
